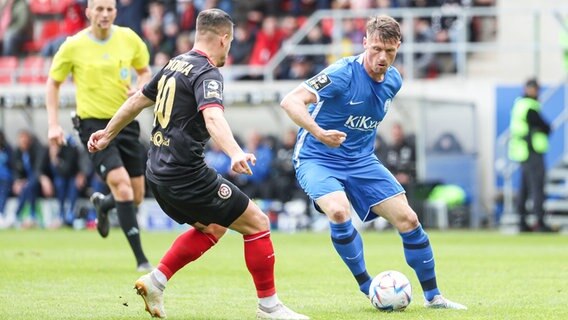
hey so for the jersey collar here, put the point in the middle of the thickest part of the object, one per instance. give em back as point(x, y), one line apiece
point(205, 55)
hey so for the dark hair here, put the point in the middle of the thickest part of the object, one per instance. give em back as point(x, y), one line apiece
point(214, 20)
point(385, 27)
point(532, 82)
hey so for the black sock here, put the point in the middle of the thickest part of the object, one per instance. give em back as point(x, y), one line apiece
point(108, 203)
point(126, 212)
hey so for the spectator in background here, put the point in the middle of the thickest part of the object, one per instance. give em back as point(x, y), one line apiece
point(161, 58)
point(73, 21)
point(217, 159)
point(401, 162)
point(131, 13)
point(268, 40)
point(67, 178)
point(316, 37)
point(381, 148)
point(186, 13)
point(184, 42)
point(285, 187)
point(242, 45)
point(401, 156)
point(258, 184)
point(31, 165)
point(16, 26)
point(165, 20)
point(307, 7)
point(528, 145)
point(425, 63)
point(5, 176)
point(298, 67)
point(156, 41)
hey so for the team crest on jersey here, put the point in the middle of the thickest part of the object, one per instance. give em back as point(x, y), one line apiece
point(212, 89)
point(319, 82)
point(224, 191)
point(387, 105)
point(123, 73)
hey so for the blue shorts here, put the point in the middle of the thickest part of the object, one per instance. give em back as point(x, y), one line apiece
point(365, 181)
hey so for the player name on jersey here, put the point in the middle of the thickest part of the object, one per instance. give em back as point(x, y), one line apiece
point(179, 66)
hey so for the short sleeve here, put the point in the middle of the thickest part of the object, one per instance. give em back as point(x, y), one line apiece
point(141, 57)
point(331, 82)
point(62, 63)
point(209, 90)
point(150, 89)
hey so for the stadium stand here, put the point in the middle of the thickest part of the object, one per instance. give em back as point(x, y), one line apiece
point(8, 67)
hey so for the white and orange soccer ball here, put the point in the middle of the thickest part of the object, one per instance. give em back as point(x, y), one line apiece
point(390, 291)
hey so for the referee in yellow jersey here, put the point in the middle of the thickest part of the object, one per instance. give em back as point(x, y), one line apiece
point(101, 58)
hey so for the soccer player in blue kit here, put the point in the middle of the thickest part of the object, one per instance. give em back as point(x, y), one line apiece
point(334, 159)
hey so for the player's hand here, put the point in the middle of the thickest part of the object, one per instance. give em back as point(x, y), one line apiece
point(332, 138)
point(240, 163)
point(56, 136)
point(98, 141)
point(131, 91)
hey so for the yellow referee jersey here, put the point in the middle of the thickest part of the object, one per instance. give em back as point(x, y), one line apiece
point(101, 69)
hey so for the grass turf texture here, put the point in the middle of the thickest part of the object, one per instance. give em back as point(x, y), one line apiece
point(67, 274)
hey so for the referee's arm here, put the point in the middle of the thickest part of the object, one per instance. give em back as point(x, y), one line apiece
point(55, 133)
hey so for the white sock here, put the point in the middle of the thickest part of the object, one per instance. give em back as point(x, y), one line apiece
point(160, 277)
point(269, 302)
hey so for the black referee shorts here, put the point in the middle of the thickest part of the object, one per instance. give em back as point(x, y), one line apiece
point(220, 202)
point(124, 151)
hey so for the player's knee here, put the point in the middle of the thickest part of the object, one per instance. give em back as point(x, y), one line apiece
point(338, 214)
point(408, 221)
point(216, 230)
point(262, 222)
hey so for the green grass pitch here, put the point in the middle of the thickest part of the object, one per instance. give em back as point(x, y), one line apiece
point(68, 274)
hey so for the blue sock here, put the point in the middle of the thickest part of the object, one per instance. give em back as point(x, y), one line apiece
point(349, 246)
point(419, 256)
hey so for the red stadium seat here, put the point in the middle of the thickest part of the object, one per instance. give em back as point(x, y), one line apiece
point(8, 66)
point(33, 70)
point(49, 7)
point(49, 29)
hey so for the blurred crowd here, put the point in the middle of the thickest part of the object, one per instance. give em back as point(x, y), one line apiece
point(31, 27)
point(30, 170)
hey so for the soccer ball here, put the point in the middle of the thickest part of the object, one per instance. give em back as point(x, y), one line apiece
point(390, 291)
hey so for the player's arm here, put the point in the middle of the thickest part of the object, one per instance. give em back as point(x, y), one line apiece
point(220, 131)
point(295, 104)
point(54, 131)
point(125, 114)
point(144, 76)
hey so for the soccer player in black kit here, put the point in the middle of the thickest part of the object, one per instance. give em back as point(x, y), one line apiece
point(188, 97)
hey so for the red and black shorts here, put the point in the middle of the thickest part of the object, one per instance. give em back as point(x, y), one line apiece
point(217, 201)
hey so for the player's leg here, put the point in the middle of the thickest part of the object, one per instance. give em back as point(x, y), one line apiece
point(522, 197)
point(254, 225)
point(536, 179)
point(417, 249)
point(323, 184)
point(188, 247)
point(345, 238)
point(120, 185)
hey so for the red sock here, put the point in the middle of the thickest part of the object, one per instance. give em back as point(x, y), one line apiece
point(189, 246)
point(259, 257)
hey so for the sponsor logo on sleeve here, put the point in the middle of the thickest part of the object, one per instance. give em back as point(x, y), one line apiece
point(319, 82)
point(212, 89)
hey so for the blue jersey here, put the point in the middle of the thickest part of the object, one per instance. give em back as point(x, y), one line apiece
point(348, 100)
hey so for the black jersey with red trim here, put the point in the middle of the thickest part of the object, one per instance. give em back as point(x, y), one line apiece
point(184, 87)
